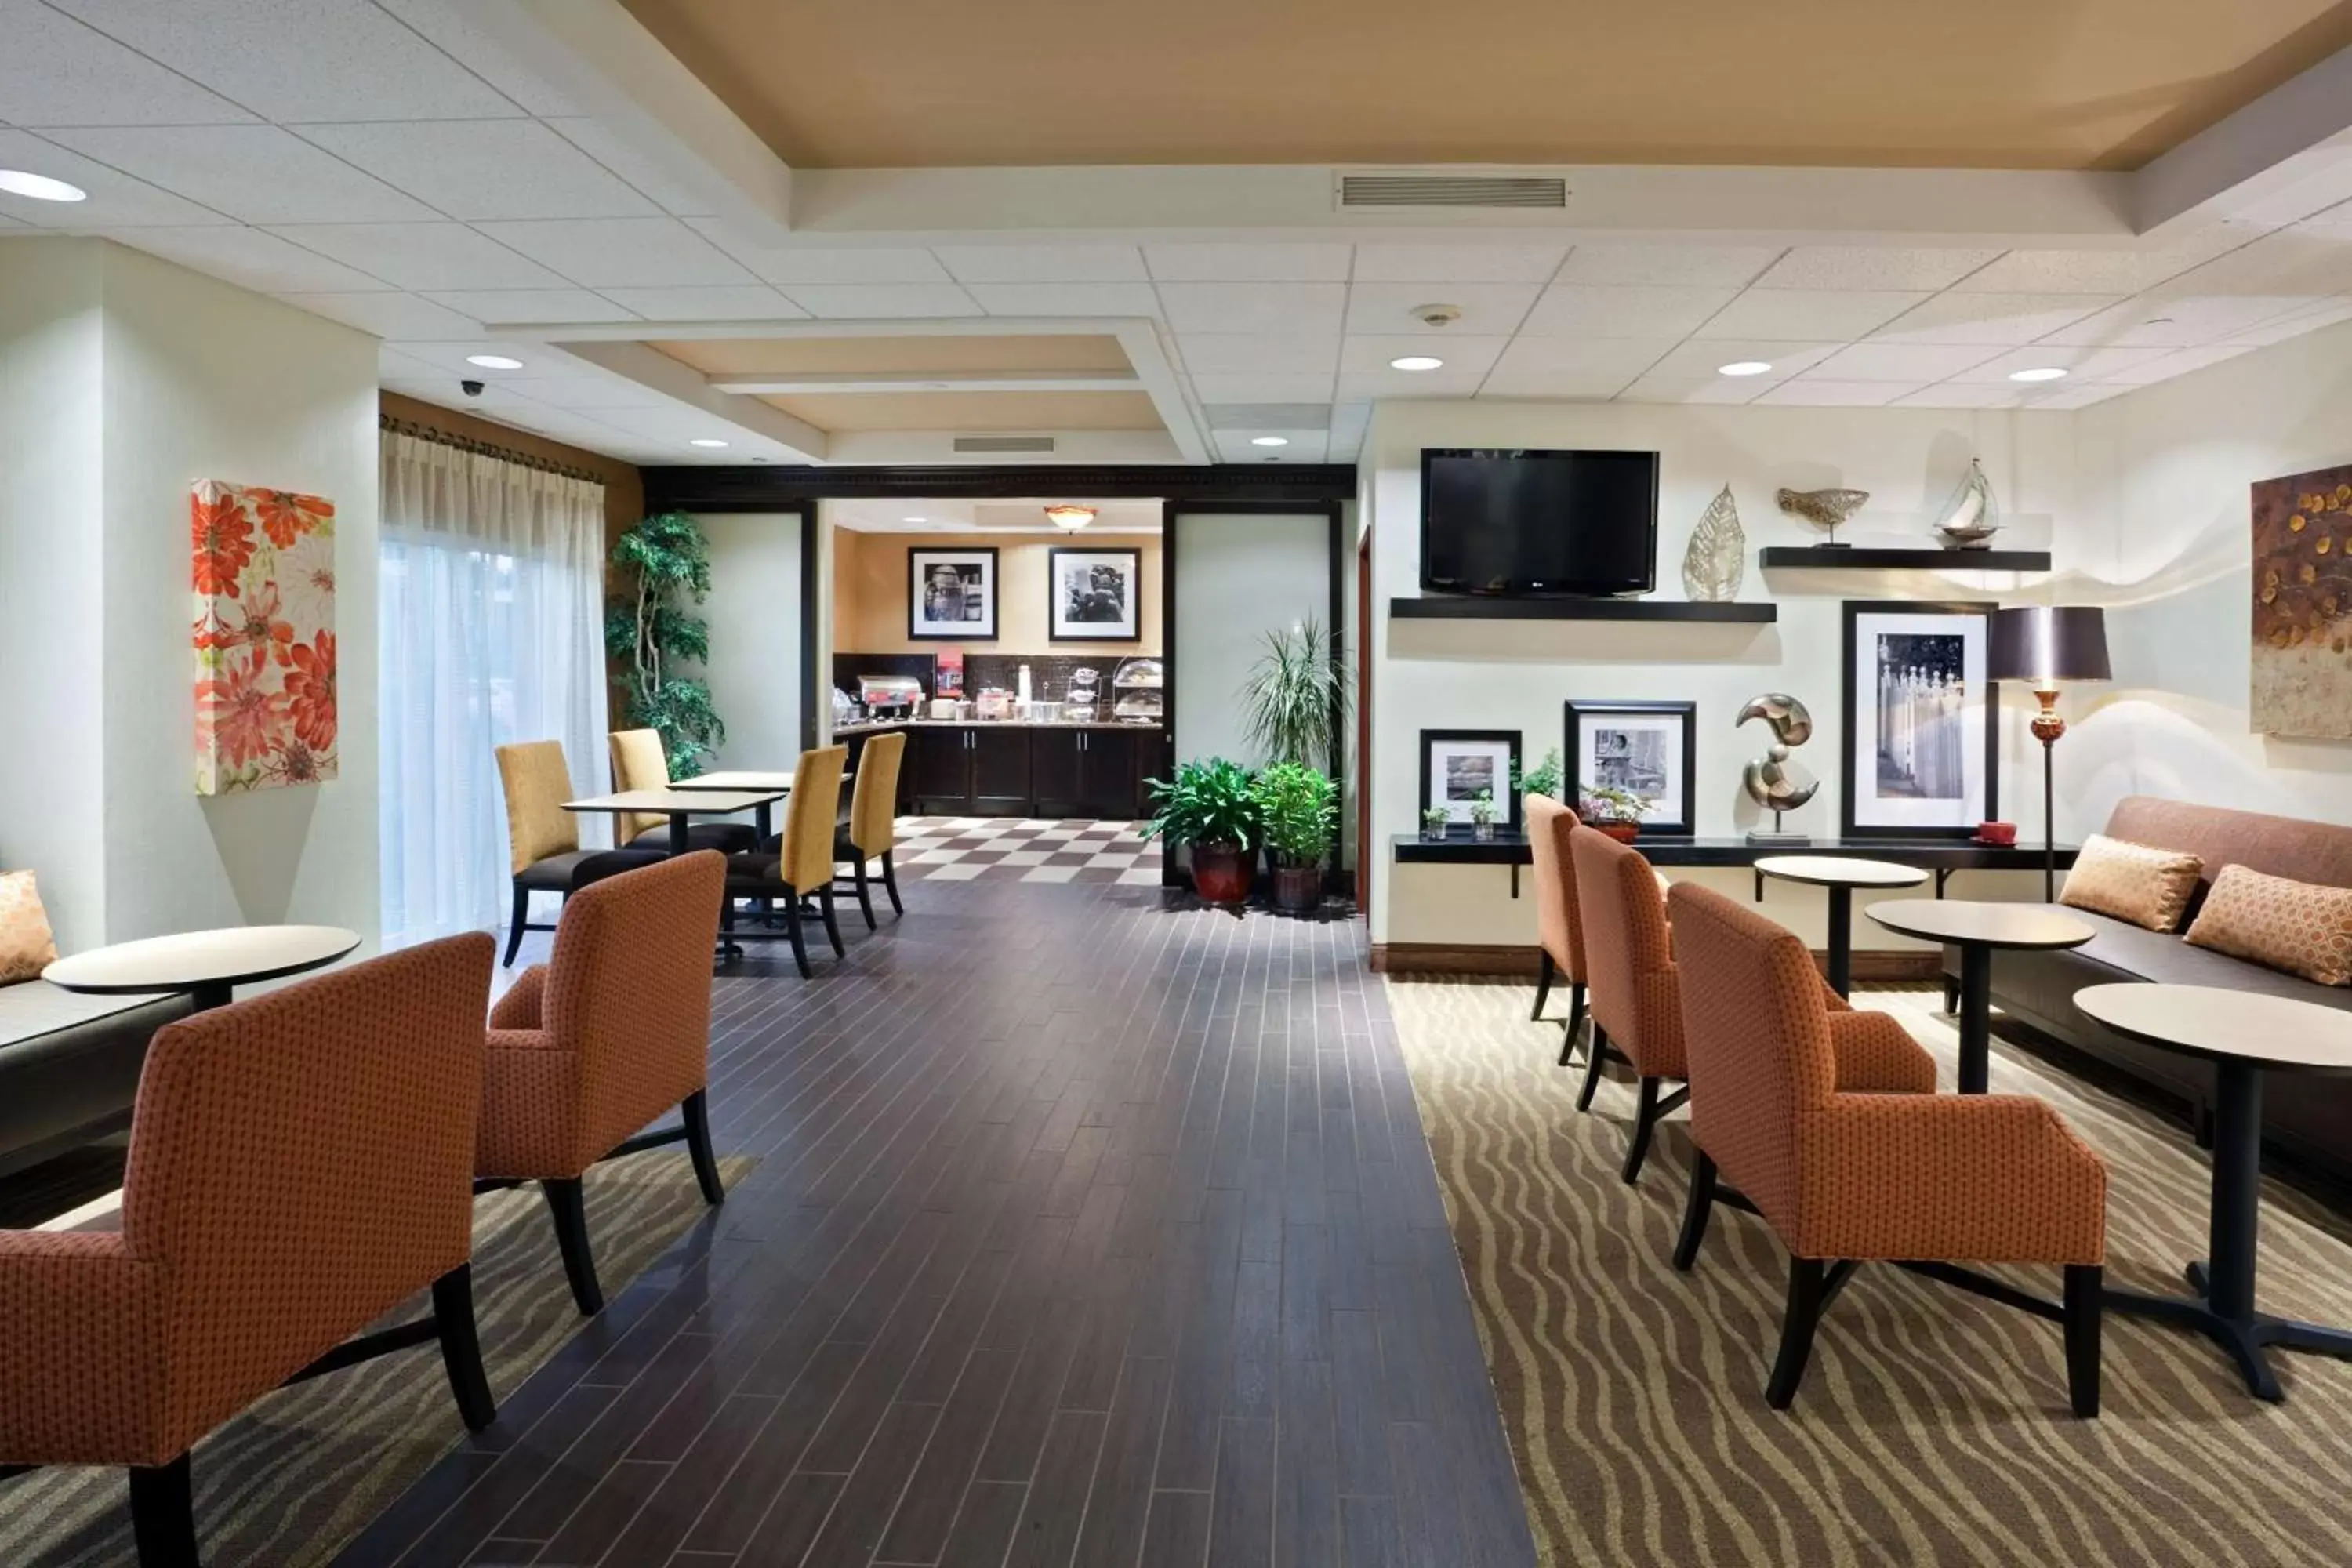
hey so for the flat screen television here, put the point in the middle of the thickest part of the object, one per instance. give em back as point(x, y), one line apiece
point(1539, 523)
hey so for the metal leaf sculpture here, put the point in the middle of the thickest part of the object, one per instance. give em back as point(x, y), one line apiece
point(1823, 509)
point(1717, 557)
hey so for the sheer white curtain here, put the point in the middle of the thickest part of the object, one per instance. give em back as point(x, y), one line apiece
point(491, 609)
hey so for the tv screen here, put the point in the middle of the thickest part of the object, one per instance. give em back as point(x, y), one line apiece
point(1539, 523)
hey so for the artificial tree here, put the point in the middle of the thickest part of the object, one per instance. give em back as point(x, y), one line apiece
point(665, 563)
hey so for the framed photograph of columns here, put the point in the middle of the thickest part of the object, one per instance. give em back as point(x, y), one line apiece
point(951, 595)
point(1921, 754)
point(1458, 766)
point(1646, 749)
point(1091, 595)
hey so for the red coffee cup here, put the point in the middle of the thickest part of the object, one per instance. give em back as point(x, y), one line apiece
point(1996, 832)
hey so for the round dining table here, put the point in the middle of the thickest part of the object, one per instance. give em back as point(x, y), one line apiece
point(1978, 931)
point(1840, 875)
point(207, 965)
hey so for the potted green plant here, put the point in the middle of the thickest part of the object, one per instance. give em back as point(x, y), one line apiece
point(1298, 816)
point(664, 565)
point(1544, 777)
point(1614, 811)
point(1297, 697)
point(1208, 806)
point(1482, 815)
point(1433, 823)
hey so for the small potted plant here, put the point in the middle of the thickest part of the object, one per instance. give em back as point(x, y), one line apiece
point(1298, 816)
point(1482, 815)
point(1433, 823)
point(1614, 811)
point(1544, 777)
point(1207, 805)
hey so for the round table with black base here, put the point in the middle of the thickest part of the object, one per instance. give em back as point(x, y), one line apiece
point(2242, 1033)
point(1840, 875)
point(207, 965)
point(1980, 930)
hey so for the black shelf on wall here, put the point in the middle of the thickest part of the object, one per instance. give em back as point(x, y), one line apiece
point(1439, 608)
point(1927, 558)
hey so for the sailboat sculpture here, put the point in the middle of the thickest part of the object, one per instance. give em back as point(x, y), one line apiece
point(1971, 517)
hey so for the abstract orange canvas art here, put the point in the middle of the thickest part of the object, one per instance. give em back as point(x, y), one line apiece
point(264, 566)
point(2301, 654)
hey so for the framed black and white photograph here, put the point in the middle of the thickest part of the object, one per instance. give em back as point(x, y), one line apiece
point(1921, 754)
point(1092, 596)
point(1647, 750)
point(1458, 767)
point(951, 595)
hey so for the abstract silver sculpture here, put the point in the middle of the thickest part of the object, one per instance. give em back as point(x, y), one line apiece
point(1718, 556)
point(1772, 781)
point(1823, 509)
point(1971, 517)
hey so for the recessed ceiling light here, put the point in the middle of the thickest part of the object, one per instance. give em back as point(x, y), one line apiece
point(494, 361)
point(2039, 373)
point(1269, 440)
point(1744, 367)
point(40, 187)
point(706, 441)
point(1416, 362)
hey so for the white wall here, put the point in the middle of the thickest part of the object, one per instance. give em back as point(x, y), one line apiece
point(1238, 578)
point(755, 611)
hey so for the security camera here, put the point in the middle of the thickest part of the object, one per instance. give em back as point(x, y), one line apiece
point(470, 388)
point(1437, 315)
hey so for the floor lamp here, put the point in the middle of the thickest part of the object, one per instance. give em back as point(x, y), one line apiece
point(2044, 646)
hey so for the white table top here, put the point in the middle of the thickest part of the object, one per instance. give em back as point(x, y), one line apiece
point(193, 958)
point(742, 779)
point(1839, 871)
point(679, 802)
point(2213, 1021)
point(1990, 925)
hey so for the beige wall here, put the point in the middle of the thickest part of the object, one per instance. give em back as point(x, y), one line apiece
point(869, 591)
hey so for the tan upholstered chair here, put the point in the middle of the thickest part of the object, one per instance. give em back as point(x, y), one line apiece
point(1843, 1176)
point(1559, 934)
point(873, 828)
point(609, 1034)
point(641, 762)
point(542, 839)
point(802, 864)
point(301, 1164)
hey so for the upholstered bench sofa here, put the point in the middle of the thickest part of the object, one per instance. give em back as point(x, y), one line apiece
point(2310, 1121)
point(69, 1066)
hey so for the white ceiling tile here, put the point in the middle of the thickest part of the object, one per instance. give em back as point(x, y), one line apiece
point(299, 59)
point(1248, 263)
point(1291, 307)
point(2295, 323)
point(623, 253)
point(1263, 387)
point(491, 306)
point(1717, 389)
point(1694, 265)
point(587, 392)
point(857, 302)
point(1623, 311)
point(1572, 367)
point(2079, 362)
point(737, 302)
point(1994, 319)
point(391, 361)
point(1066, 298)
point(674, 190)
point(60, 72)
point(256, 174)
point(788, 265)
point(448, 356)
point(2311, 260)
point(486, 169)
point(1872, 267)
point(1913, 362)
point(1487, 308)
point(2080, 395)
point(2107, 273)
point(1701, 359)
point(1043, 263)
point(115, 200)
point(1804, 393)
point(450, 29)
point(2164, 319)
point(2180, 362)
point(1374, 350)
point(1965, 394)
point(387, 315)
point(1414, 263)
point(1213, 351)
point(1349, 420)
point(1306, 446)
point(670, 423)
point(1373, 384)
point(1804, 315)
point(249, 258)
point(422, 255)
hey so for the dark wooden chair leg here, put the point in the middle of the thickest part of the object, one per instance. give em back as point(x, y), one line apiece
point(570, 1215)
point(2084, 1284)
point(890, 883)
point(832, 927)
point(1798, 1322)
point(794, 933)
point(864, 893)
point(1696, 1210)
point(1596, 1052)
point(1951, 993)
point(696, 1113)
point(1543, 983)
point(1645, 1119)
point(461, 1348)
point(514, 926)
point(1575, 1021)
point(164, 1515)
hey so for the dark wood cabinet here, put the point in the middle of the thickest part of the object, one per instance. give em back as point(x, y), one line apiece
point(1106, 774)
point(1006, 770)
point(1000, 772)
point(1054, 772)
point(942, 764)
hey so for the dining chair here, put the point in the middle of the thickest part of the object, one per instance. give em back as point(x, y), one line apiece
point(801, 866)
point(873, 828)
point(542, 839)
point(301, 1164)
point(640, 761)
point(1781, 1109)
point(1559, 934)
point(613, 1031)
point(1630, 971)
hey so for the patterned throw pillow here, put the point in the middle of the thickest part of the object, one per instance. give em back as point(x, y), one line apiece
point(2135, 882)
point(2302, 928)
point(25, 946)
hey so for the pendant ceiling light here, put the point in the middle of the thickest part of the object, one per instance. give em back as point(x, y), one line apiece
point(1069, 519)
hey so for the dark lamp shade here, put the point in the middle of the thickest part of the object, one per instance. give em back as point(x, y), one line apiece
point(2042, 644)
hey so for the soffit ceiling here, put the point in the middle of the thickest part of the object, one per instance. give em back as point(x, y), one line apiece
point(2017, 84)
point(911, 354)
point(969, 516)
point(971, 411)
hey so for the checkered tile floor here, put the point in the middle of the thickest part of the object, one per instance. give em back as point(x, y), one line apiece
point(1007, 849)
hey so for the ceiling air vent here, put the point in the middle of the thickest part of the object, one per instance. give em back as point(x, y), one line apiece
point(1004, 443)
point(1453, 190)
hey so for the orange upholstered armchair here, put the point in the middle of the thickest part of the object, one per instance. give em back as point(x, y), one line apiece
point(591, 1045)
point(301, 1164)
point(1841, 1177)
point(1628, 960)
point(1560, 935)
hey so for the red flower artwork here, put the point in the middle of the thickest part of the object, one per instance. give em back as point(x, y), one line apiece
point(221, 536)
point(286, 516)
point(263, 633)
point(310, 691)
point(242, 719)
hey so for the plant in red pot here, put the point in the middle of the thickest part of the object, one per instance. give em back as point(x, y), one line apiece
point(1613, 811)
point(1298, 816)
point(1208, 806)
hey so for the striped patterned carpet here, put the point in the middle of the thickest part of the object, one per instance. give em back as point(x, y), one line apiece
point(1932, 1425)
point(287, 1483)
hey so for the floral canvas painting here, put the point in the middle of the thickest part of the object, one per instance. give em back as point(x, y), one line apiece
point(264, 565)
point(2300, 661)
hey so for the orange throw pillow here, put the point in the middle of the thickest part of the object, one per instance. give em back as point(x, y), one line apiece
point(25, 946)
point(2302, 928)
point(2136, 882)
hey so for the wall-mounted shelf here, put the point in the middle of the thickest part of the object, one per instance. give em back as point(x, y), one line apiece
point(1438, 607)
point(1941, 855)
point(1856, 558)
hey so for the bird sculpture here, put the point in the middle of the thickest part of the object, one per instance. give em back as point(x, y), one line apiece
point(1823, 509)
point(1772, 781)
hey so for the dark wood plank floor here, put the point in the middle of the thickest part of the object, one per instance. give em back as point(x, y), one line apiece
point(1084, 1231)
